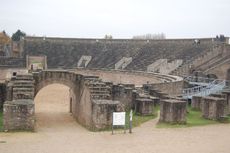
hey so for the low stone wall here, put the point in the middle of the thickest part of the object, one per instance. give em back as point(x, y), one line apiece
point(19, 115)
point(173, 111)
point(170, 88)
point(213, 108)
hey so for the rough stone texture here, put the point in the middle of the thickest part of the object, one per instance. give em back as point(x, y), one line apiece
point(2, 94)
point(144, 106)
point(124, 94)
point(19, 115)
point(227, 93)
point(103, 113)
point(173, 111)
point(197, 102)
point(213, 108)
point(106, 52)
point(224, 96)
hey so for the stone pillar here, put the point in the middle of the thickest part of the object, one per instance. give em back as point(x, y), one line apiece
point(213, 108)
point(144, 106)
point(173, 111)
point(227, 93)
point(19, 115)
point(103, 113)
point(197, 102)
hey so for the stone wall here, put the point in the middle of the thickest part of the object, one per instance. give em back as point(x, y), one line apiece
point(2, 94)
point(11, 62)
point(66, 53)
point(170, 88)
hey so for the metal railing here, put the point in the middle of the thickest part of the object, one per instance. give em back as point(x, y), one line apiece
point(212, 87)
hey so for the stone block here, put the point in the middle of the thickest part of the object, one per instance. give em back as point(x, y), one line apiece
point(103, 113)
point(173, 111)
point(144, 106)
point(227, 93)
point(19, 115)
point(213, 108)
point(196, 102)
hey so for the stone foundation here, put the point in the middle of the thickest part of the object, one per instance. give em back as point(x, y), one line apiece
point(227, 93)
point(173, 111)
point(196, 102)
point(144, 106)
point(19, 115)
point(103, 113)
point(213, 108)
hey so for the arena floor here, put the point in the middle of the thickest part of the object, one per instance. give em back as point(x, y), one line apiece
point(57, 132)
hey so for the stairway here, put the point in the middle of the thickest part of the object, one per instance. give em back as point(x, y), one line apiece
point(98, 88)
point(23, 86)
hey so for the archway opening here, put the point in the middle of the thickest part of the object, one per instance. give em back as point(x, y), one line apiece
point(52, 107)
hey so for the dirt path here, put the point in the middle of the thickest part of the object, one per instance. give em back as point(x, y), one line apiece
point(57, 132)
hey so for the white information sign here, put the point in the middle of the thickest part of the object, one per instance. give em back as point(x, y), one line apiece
point(118, 118)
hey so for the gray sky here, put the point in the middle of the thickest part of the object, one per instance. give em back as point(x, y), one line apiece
point(120, 18)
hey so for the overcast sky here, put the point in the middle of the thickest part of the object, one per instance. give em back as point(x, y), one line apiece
point(120, 18)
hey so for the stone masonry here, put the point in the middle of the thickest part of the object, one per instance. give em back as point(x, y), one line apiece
point(173, 111)
point(213, 108)
point(18, 111)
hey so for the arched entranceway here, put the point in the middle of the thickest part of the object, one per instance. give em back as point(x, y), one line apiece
point(52, 107)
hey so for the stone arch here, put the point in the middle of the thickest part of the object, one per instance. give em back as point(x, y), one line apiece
point(81, 106)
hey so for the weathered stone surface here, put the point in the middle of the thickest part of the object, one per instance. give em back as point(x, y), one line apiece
point(173, 111)
point(124, 94)
point(213, 108)
point(144, 106)
point(196, 102)
point(227, 93)
point(103, 113)
point(19, 115)
point(2, 94)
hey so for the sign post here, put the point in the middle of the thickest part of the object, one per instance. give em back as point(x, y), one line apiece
point(130, 121)
point(118, 120)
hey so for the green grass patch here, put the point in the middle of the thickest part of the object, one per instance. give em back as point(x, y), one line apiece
point(194, 118)
point(139, 119)
point(1, 121)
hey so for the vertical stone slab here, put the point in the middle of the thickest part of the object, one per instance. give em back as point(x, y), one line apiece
point(197, 102)
point(213, 108)
point(19, 115)
point(173, 111)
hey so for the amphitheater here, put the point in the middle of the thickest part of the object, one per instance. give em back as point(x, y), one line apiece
point(101, 76)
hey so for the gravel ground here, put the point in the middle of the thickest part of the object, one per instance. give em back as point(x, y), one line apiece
point(57, 132)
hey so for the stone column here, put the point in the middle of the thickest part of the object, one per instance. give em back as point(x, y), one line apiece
point(173, 111)
point(213, 108)
point(144, 106)
point(197, 102)
point(227, 93)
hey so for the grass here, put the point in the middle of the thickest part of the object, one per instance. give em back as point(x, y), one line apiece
point(1, 121)
point(194, 118)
